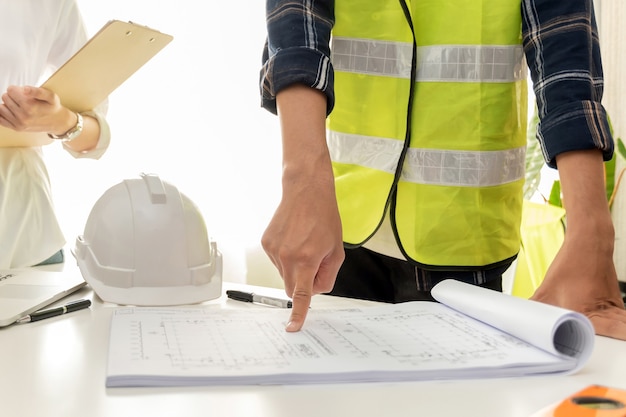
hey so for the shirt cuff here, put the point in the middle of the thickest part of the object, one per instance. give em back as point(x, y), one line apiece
point(296, 66)
point(576, 126)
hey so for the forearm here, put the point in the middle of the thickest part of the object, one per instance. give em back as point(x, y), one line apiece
point(583, 185)
point(582, 276)
point(302, 113)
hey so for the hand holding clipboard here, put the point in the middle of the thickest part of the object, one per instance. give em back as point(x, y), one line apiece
point(108, 59)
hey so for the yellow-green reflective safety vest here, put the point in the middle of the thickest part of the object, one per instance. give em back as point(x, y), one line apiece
point(430, 122)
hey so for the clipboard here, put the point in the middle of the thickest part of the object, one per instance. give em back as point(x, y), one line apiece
point(106, 60)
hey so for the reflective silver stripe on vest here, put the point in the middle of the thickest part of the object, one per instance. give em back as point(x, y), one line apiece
point(366, 56)
point(430, 166)
point(455, 63)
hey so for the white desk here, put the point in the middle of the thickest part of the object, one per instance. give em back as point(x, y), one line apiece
point(56, 368)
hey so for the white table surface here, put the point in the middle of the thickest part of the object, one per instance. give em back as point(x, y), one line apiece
point(56, 368)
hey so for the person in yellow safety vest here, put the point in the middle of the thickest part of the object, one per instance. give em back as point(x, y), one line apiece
point(403, 126)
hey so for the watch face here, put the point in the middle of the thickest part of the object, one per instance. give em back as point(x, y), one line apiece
point(73, 134)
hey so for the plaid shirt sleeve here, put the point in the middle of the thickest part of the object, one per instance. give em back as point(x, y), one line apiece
point(562, 51)
point(560, 41)
point(297, 48)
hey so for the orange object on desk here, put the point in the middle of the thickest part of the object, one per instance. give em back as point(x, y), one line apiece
point(593, 401)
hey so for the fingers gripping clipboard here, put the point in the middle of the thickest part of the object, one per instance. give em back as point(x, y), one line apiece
point(108, 59)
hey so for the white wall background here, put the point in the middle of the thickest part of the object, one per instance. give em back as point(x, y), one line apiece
point(191, 115)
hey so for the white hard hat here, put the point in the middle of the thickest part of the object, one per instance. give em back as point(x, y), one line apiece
point(145, 243)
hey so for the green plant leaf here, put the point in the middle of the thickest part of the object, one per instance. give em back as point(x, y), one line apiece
point(621, 149)
point(609, 176)
point(555, 194)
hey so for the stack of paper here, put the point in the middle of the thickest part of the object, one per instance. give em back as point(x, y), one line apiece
point(472, 333)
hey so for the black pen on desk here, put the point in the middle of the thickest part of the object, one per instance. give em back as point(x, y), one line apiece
point(53, 312)
point(250, 297)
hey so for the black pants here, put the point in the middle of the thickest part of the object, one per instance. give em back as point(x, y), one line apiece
point(369, 275)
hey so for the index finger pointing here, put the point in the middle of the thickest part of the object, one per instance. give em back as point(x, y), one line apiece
point(301, 300)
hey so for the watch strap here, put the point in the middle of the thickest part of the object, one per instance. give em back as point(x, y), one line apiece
point(73, 132)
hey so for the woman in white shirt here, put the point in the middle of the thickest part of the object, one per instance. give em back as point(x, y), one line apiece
point(37, 37)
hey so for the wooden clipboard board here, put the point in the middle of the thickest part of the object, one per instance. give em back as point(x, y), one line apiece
point(108, 59)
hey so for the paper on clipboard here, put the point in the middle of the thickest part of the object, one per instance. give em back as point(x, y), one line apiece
point(108, 59)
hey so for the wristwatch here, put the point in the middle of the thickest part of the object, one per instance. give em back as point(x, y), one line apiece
point(73, 132)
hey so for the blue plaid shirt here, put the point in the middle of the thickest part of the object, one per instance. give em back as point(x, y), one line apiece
point(560, 42)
